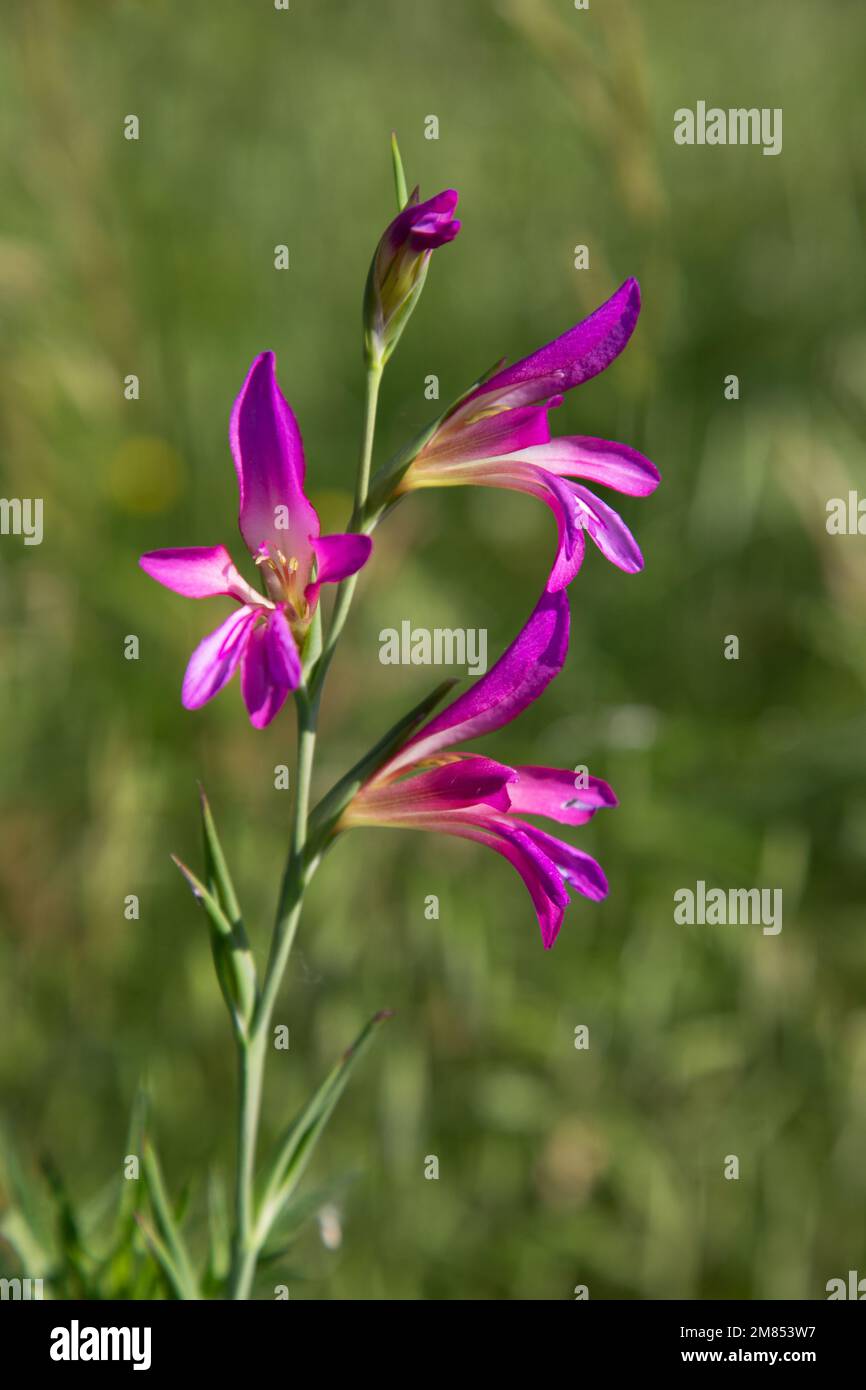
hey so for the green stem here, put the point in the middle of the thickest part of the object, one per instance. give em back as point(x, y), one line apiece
point(251, 1076)
point(294, 878)
point(253, 1050)
point(252, 1053)
point(371, 401)
point(346, 591)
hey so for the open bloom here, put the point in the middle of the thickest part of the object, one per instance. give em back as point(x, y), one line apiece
point(499, 436)
point(425, 787)
point(264, 635)
point(400, 266)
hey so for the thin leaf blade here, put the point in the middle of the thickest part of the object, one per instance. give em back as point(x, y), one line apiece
point(303, 1133)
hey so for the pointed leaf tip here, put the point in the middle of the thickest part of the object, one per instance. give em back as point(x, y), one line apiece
point(381, 1017)
point(399, 176)
point(219, 880)
point(195, 886)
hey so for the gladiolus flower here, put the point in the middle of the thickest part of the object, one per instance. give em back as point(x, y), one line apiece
point(425, 787)
point(399, 268)
point(265, 635)
point(499, 436)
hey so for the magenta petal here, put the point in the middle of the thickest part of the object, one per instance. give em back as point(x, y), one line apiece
point(567, 562)
point(271, 669)
point(284, 662)
point(556, 493)
point(269, 459)
point(538, 871)
point(424, 226)
point(336, 558)
point(467, 781)
point(609, 531)
point(199, 571)
point(491, 436)
point(601, 460)
point(518, 678)
point(215, 658)
point(262, 697)
point(519, 475)
point(574, 357)
point(550, 791)
point(579, 870)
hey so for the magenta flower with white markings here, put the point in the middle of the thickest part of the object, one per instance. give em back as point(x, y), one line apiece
point(265, 635)
point(426, 787)
point(499, 436)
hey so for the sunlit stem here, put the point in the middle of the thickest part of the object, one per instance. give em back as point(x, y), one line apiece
point(346, 591)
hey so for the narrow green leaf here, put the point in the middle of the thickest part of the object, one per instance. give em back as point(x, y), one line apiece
point(233, 961)
point(302, 1135)
point(203, 895)
point(399, 176)
point(134, 1141)
point(298, 1210)
point(167, 1226)
point(74, 1277)
point(162, 1255)
point(68, 1224)
point(327, 812)
point(216, 868)
point(219, 1235)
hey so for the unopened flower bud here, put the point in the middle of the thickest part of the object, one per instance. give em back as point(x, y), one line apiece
point(399, 269)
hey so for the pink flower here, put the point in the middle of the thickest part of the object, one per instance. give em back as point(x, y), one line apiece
point(499, 436)
point(425, 787)
point(264, 636)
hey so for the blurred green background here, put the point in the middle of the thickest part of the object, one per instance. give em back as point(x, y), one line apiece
point(557, 1167)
